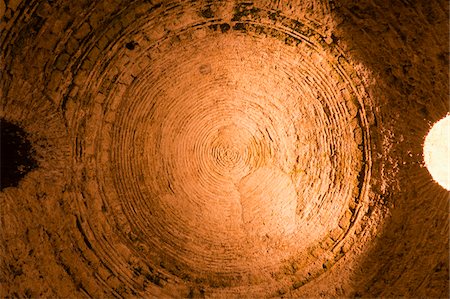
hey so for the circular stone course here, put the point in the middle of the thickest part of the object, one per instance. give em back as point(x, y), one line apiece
point(223, 149)
point(229, 148)
point(187, 149)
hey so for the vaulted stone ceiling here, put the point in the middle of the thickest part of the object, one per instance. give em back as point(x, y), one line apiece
point(222, 148)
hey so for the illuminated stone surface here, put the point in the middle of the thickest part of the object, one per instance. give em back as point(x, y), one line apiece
point(224, 148)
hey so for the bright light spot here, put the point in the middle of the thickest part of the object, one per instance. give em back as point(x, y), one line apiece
point(436, 152)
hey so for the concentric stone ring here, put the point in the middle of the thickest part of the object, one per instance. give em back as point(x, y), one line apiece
point(223, 149)
point(195, 149)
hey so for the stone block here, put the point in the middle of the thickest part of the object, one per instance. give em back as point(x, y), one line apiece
point(82, 31)
point(93, 54)
point(335, 233)
point(86, 65)
point(44, 9)
point(113, 30)
point(62, 61)
point(95, 19)
point(128, 19)
point(357, 133)
point(2, 8)
point(80, 78)
point(72, 45)
point(103, 42)
point(49, 42)
point(13, 4)
point(55, 80)
point(345, 220)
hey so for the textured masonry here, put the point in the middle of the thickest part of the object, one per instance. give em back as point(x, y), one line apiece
point(223, 148)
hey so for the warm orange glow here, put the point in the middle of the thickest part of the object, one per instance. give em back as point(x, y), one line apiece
point(436, 152)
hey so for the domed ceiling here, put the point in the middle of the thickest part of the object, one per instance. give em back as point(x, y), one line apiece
point(222, 148)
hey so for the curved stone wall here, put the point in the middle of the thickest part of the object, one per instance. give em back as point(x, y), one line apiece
point(223, 148)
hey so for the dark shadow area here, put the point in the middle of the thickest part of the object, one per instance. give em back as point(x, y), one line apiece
point(16, 155)
point(405, 45)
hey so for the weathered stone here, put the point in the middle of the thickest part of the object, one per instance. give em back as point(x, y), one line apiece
point(327, 243)
point(335, 233)
point(42, 56)
point(103, 42)
point(13, 4)
point(212, 148)
point(62, 61)
point(43, 9)
point(49, 42)
point(113, 30)
point(95, 19)
point(357, 133)
point(86, 65)
point(9, 13)
point(128, 19)
point(82, 31)
point(72, 45)
point(345, 220)
point(2, 9)
point(317, 251)
point(93, 54)
point(80, 78)
point(55, 80)
point(346, 247)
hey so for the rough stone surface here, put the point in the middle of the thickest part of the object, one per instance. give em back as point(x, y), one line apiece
point(224, 148)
